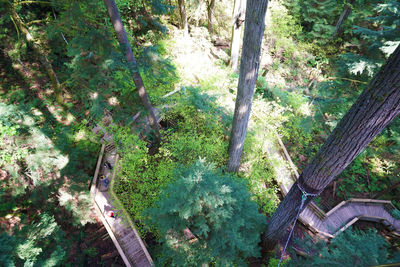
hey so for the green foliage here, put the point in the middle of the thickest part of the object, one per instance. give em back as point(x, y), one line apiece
point(350, 248)
point(159, 73)
point(6, 250)
point(39, 156)
point(383, 36)
point(216, 209)
point(261, 179)
point(91, 252)
point(141, 176)
point(42, 243)
point(299, 128)
point(94, 70)
point(317, 19)
point(193, 130)
point(274, 262)
point(196, 129)
point(288, 54)
point(380, 35)
point(144, 17)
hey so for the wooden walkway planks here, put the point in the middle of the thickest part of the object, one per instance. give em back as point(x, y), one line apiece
point(122, 231)
point(340, 217)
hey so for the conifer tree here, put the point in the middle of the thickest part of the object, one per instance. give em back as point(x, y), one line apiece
point(205, 216)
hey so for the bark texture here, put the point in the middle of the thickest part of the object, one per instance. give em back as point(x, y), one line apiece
point(123, 41)
point(343, 16)
point(39, 51)
point(182, 12)
point(210, 11)
point(237, 23)
point(253, 33)
point(377, 106)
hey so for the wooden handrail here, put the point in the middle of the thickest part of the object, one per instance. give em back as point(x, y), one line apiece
point(386, 204)
point(94, 191)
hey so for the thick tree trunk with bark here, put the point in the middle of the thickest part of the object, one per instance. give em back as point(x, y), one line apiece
point(343, 16)
point(237, 22)
point(377, 106)
point(182, 12)
point(126, 49)
point(210, 11)
point(39, 51)
point(253, 33)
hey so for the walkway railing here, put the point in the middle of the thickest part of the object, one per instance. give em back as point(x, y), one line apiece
point(116, 220)
point(341, 216)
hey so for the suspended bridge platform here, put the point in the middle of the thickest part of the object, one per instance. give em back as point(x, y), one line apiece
point(343, 215)
point(119, 226)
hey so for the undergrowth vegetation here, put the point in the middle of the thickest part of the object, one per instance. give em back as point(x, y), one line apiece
point(192, 130)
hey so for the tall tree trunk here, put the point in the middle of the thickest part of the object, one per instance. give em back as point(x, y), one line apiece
point(182, 12)
point(345, 13)
point(253, 33)
point(237, 22)
point(39, 51)
point(378, 105)
point(126, 49)
point(210, 11)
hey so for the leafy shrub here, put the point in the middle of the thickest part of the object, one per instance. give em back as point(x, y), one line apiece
point(196, 130)
point(260, 172)
point(216, 209)
point(141, 176)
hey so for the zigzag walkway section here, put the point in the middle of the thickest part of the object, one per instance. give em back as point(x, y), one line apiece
point(340, 217)
point(119, 226)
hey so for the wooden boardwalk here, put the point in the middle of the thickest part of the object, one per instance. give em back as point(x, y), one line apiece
point(340, 217)
point(120, 227)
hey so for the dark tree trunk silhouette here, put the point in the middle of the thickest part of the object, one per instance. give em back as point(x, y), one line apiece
point(343, 16)
point(253, 33)
point(182, 12)
point(126, 49)
point(237, 23)
point(377, 106)
point(210, 11)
